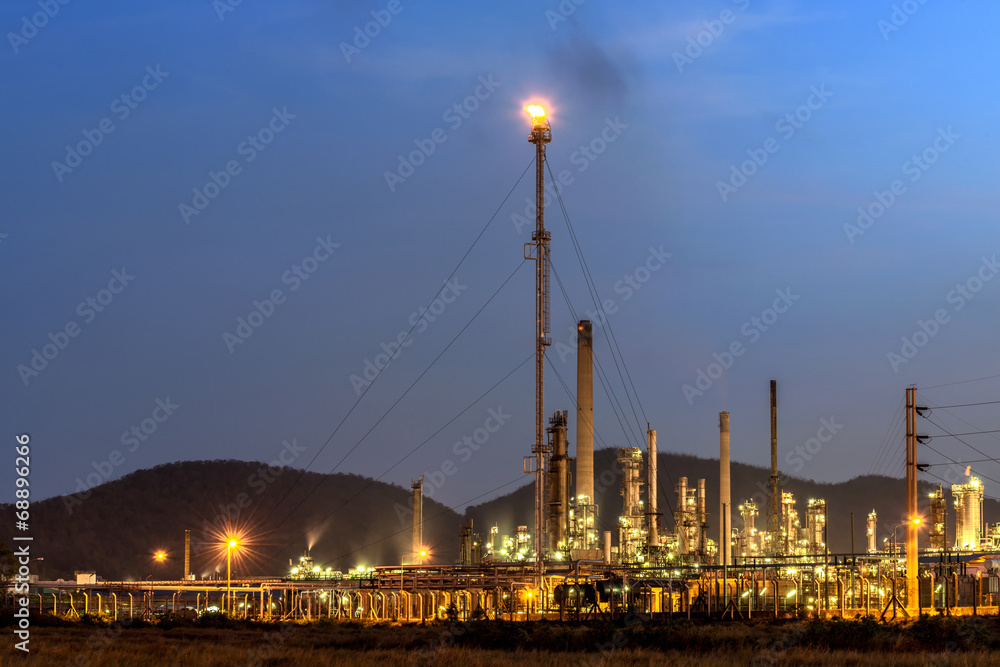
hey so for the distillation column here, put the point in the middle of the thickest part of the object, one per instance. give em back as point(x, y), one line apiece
point(558, 484)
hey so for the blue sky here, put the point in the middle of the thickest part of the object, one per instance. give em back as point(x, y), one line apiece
point(683, 118)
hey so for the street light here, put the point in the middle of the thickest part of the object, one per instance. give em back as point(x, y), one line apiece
point(422, 553)
point(233, 543)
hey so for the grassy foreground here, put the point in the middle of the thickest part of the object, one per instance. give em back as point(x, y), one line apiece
point(219, 641)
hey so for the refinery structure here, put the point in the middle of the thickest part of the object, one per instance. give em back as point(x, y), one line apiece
point(740, 558)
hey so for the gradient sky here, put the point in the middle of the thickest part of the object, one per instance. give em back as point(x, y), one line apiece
point(682, 124)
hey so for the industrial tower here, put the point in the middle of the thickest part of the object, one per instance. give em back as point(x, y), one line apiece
point(538, 250)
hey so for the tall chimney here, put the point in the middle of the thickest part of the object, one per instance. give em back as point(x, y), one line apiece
point(418, 517)
point(585, 411)
point(774, 502)
point(725, 494)
point(651, 489)
point(187, 555)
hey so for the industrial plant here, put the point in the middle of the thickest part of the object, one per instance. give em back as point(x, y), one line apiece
point(741, 559)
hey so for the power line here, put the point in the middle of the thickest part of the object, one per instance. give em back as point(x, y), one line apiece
point(962, 405)
point(592, 288)
point(401, 397)
point(406, 337)
point(951, 384)
point(956, 436)
point(403, 530)
point(411, 452)
point(956, 462)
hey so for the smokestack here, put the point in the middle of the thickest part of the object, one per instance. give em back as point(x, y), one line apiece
point(725, 495)
point(654, 538)
point(585, 410)
point(187, 555)
point(774, 512)
point(607, 547)
point(418, 516)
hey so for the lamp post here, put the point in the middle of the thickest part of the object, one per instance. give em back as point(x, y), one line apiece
point(229, 574)
point(915, 521)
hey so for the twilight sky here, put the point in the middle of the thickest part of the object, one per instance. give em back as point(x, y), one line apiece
point(805, 186)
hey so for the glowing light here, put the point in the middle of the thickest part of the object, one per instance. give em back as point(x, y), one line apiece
point(160, 556)
point(790, 594)
point(536, 111)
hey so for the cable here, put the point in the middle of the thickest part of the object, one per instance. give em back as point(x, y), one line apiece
point(379, 373)
point(401, 397)
point(403, 530)
point(428, 439)
point(947, 482)
point(592, 288)
point(884, 447)
point(953, 435)
point(616, 405)
point(950, 384)
point(961, 405)
point(957, 463)
point(572, 399)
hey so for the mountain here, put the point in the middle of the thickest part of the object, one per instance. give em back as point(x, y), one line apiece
point(349, 520)
point(859, 495)
point(346, 519)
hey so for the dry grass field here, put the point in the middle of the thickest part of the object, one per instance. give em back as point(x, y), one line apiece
point(927, 642)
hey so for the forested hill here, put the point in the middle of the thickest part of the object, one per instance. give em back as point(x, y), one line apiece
point(348, 520)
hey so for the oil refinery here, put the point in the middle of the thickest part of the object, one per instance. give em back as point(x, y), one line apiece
point(740, 559)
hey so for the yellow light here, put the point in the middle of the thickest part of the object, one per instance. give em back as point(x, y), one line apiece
point(423, 553)
point(160, 555)
point(916, 521)
point(537, 112)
